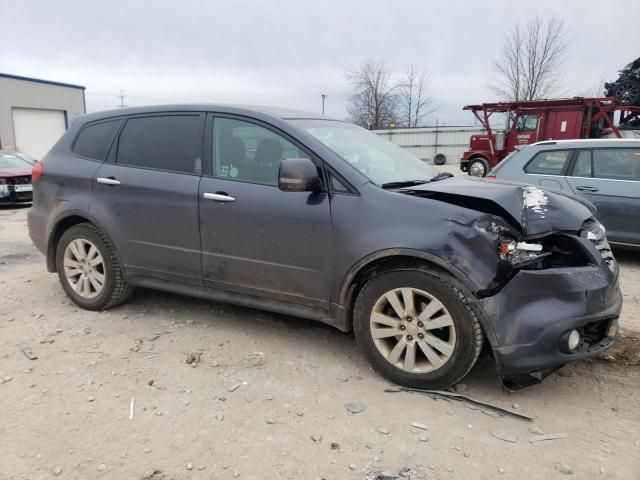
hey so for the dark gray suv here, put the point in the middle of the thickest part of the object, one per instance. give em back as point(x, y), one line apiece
point(299, 214)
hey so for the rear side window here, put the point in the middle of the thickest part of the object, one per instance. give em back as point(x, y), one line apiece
point(551, 162)
point(95, 139)
point(617, 163)
point(167, 142)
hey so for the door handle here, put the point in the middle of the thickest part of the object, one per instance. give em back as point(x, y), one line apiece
point(584, 188)
point(108, 181)
point(219, 197)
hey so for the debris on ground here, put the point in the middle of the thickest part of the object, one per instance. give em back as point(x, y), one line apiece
point(27, 351)
point(564, 468)
point(255, 360)
point(548, 436)
point(335, 446)
point(506, 436)
point(421, 426)
point(193, 358)
point(456, 396)
point(536, 430)
point(355, 407)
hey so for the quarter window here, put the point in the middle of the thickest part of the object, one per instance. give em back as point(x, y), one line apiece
point(617, 163)
point(248, 152)
point(169, 142)
point(95, 139)
point(548, 163)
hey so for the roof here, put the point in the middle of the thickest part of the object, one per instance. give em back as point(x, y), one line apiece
point(39, 80)
point(249, 110)
point(590, 141)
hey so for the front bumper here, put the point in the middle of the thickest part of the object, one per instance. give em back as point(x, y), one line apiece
point(464, 165)
point(533, 313)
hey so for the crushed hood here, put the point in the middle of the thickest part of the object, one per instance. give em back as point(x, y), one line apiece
point(534, 210)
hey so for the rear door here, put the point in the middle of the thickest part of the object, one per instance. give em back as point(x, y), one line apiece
point(610, 179)
point(146, 195)
point(257, 239)
point(547, 168)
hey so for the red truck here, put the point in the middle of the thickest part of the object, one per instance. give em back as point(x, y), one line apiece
point(533, 121)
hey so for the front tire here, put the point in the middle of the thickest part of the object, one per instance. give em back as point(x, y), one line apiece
point(478, 167)
point(416, 328)
point(89, 270)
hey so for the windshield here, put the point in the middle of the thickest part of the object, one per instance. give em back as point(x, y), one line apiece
point(11, 161)
point(379, 160)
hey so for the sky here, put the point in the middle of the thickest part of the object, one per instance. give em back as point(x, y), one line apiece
point(288, 53)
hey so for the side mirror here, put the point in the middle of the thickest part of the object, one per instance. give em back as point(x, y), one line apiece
point(298, 175)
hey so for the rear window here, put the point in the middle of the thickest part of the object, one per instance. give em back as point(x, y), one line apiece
point(166, 142)
point(551, 162)
point(95, 139)
point(617, 163)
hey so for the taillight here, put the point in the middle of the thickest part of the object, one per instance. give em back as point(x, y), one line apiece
point(36, 172)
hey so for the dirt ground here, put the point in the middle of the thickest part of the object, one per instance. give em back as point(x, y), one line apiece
point(111, 395)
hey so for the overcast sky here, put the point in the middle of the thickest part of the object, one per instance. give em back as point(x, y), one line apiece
point(287, 53)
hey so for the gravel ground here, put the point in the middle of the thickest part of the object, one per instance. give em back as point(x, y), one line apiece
point(169, 387)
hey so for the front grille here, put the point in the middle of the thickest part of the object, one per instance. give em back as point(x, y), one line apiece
point(596, 233)
point(21, 180)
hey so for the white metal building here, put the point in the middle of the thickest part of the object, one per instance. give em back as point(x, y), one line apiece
point(34, 113)
point(426, 142)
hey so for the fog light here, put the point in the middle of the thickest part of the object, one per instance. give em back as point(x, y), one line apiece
point(574, 340)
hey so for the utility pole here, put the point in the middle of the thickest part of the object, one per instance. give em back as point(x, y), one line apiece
point(121, 97)
point(323, 97)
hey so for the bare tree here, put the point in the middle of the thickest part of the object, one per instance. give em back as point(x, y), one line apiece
point(596, 89)
point(415, 98)
point(373, 103)
point(530, 63)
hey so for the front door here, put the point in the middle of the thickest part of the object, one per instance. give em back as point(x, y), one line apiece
point(146, 196)
point(257, 239)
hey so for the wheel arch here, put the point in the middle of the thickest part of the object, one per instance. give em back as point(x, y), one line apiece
point(61, 225)
point(389, 259)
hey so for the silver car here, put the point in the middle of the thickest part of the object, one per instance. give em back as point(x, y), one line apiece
point(605, 172)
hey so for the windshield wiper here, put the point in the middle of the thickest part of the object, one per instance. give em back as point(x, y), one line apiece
point(404, 183)
point(441, 176)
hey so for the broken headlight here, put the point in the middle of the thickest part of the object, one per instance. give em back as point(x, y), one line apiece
point(594, 231)
point(521, 254)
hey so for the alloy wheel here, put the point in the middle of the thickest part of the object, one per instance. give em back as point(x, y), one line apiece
point(477, 169)
point(84, 268)
point(412, 330)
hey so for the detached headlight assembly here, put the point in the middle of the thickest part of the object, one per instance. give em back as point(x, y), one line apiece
point(521, 254)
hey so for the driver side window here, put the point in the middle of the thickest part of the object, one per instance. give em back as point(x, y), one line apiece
point(248, 152)
point(527, 123)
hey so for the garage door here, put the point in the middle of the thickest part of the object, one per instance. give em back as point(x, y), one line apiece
point(37, 130)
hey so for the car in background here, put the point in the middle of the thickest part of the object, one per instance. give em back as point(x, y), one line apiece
point(15, 179)
point(21, 156)
point(604, 172)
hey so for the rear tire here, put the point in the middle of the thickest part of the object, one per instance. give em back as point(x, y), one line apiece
point(89, 270)
point(478, 167)
point(398, 333)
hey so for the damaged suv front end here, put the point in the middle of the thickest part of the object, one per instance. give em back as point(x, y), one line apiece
point(554, 297)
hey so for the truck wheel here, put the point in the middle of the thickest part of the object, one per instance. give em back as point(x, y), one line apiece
point(416, 328)
point(478, 167)
point(440, 159)
point(628, 91)
point(89, 270)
